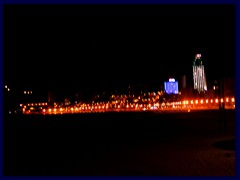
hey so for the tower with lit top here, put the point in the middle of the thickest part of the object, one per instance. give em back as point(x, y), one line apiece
point(199, 77)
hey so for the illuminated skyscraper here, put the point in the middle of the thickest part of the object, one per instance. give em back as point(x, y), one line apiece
point(171, 87)
point(199, 77)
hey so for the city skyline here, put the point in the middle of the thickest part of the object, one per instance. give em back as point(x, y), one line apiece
point(103, 47)
point(119, 90)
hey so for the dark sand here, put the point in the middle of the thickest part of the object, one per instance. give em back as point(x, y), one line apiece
point(135, 144)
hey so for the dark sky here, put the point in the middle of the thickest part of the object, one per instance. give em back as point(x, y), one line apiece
point(94, 47)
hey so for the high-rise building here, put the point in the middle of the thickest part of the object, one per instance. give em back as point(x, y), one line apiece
point(184, 82)
point(199, 77)
point(171, 87)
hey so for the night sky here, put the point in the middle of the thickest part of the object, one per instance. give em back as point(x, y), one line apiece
point(101, 47)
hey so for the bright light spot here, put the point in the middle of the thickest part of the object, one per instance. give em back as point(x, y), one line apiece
point(153, 107)
point(5, 86)
point(21, 105)
point(188, 110)
point(201, 101)
point(227, 99)
point(171, 80)
point(196, 101)
point(28, 92)
point(135, 100)
point(144, 109)
point(216, 101)
point(44, 110)
point(191, 101)
point(221, 100)
point(211, 101)
point(233, 99)
point(71, 109)
point(198, 55)
point(49, 110)
point(60, 109)
point(207, 101)
point(8, 89)
point(24, 92)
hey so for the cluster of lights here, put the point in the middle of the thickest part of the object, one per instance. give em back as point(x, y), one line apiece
point(34, 104)
point(27, 92)
point(206, 101)
point(6, 87)
point(103, 107)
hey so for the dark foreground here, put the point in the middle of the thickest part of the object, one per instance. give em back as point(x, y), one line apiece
point(120, 144)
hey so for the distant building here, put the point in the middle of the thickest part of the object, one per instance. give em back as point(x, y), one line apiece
point(229, 87)
point(199, 77)
point(51, 98)
point(222, 88)
point(184, 82)
point(171, 87)
point(67, 102)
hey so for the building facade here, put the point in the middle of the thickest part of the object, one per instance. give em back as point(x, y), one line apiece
point(199, 77)
point(171, 87)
